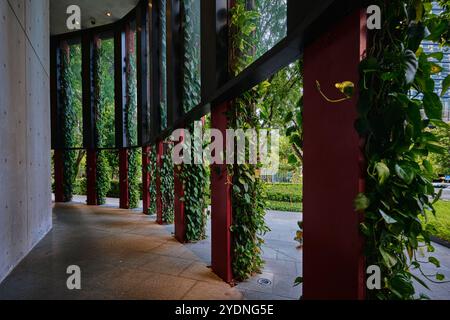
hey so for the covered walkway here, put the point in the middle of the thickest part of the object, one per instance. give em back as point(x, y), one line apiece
point(126, 255)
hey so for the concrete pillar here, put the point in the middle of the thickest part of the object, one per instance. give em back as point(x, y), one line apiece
point(221, 205)
point(333, 261)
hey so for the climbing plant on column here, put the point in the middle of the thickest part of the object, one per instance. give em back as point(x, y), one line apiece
point(152, 187)
point(131, 127)
point(396, 86)
point(165, 173)
point(193, 176)
point(248, 225)
point(103, 169)
point(68, 122)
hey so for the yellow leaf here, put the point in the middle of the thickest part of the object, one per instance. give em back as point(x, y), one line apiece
point(346, 87)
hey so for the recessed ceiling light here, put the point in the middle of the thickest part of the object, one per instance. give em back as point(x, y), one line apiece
point(109, 14)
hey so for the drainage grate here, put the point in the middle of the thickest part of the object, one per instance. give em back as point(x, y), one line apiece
point(263, 282)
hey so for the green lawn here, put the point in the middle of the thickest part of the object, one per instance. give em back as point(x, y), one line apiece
point(284, 206)
point(286, 192)
point(442, 220)
point(284, 197)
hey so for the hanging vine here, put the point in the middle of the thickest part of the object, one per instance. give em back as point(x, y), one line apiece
point(68, 123)
point(194, 177)
point(396, 85)
point(248, 225)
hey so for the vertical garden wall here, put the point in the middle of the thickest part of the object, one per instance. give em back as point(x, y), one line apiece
point(398, 109)
point(194, 176)
point(163, 62)
point(71, 113)
point(131, 126)
point(250, 22)
point(161, 186)
point(103, 77)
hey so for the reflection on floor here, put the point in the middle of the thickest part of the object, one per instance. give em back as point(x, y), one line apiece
point(126, 255)
point(283, 260)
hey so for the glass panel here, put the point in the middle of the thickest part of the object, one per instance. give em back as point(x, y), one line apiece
point(131, 89)
point(105, 121)
point(192, 67)
point(163, 64)
point(76, 107)
point(257, 26)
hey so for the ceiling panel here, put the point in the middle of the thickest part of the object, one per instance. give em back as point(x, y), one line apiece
point(91, 10)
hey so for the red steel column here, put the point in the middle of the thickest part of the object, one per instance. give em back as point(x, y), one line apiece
point(59, 175)
point(180, 220)
point(91, 172)
point(123, 176)
point(145, 179)
point(159, 154)
point(221, 205)
point(333, 166)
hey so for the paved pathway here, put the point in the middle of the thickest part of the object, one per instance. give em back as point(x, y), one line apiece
point(126, 255)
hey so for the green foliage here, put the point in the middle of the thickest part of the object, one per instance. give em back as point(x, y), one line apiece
point(191, 70)
point(284, 206)
point(102, 125)
point(440, 162)
point(134, 166)
point(163, 64)
point(152, 187)
point(260, 24)
point(103, 177)
point(68, 129)
point(105, 121)
point(397, 183)
point(439, 224)
point(248, 202)
point(166, 175)
point(194, 177)
point(134, 159)
point(286, 192)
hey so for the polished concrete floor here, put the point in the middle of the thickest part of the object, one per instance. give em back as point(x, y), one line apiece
point(126, 255)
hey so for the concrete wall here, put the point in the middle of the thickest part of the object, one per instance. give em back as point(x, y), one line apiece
point(25, 198)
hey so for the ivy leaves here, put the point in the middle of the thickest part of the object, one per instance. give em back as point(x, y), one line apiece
point(432, 105)
point(396, 85)
point(152, 187)
point(165, 173)
point(194, 177)
point(68, 123)
point(247, 193)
